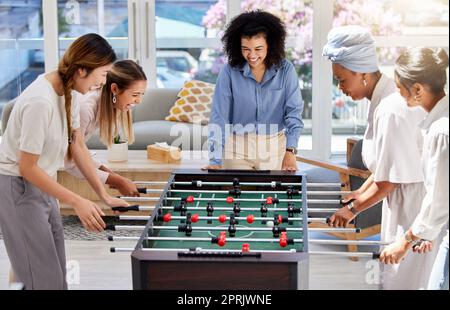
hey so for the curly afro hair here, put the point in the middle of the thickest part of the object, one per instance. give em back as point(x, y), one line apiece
point(250, 24)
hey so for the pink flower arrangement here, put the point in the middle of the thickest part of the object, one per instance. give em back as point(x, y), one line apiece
point(298, 15)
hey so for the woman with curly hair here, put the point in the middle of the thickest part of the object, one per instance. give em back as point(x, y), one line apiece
point(257, 100)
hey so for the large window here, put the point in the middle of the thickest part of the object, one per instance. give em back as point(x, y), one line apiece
point(179, 40)
point(395, 24)
point(21, 46)
point(183, 29)
point(108, 18)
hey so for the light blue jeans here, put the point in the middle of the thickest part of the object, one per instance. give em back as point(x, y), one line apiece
point(439, 273)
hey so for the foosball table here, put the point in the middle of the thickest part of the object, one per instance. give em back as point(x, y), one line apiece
point(226, 230)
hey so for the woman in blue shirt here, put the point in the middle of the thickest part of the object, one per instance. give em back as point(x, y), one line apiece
point(256, 113)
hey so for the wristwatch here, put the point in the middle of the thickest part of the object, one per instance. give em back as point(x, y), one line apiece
point(408, 237)
point(293, 150)
point(351, 207)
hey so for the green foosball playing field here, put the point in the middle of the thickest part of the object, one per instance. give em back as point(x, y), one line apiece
point(210, 222)
point(222, 230)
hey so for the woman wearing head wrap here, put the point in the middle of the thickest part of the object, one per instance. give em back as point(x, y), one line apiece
point(391, 151)
point(421, 77)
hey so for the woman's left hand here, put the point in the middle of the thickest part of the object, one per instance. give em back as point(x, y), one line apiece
point(394, 253)
point(424, 246)
point(289, 162)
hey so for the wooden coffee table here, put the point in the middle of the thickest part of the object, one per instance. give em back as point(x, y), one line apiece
point(137, 168)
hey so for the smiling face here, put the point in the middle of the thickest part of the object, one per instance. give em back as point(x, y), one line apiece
point(84, 82)
point(254, 50)
point(128, 98)
point(349, 82)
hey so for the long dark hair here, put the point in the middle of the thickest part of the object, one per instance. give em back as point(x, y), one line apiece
point(88, 52)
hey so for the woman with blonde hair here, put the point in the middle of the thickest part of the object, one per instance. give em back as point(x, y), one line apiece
point(109, 110)
point(38, 137)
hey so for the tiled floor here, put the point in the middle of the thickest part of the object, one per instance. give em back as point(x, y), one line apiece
point(92, 267)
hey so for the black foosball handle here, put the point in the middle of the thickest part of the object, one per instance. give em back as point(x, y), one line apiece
point(142, 190)
point(126, 209)
point(376, 255)
point(357, 229)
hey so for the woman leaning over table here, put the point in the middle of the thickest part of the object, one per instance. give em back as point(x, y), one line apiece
point(33, 147)
point(109, 110)
point(421, 77)
point(391, 150)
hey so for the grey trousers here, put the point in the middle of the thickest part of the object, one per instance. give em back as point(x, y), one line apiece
point(33, 234)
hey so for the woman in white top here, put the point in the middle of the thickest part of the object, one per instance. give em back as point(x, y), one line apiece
point(421, 77)
point(391, 146)
point(109, 110)
point(33, 147)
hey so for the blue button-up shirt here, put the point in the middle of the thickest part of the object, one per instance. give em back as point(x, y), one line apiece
point(242, 105)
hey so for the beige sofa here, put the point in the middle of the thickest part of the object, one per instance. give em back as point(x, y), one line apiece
point(149, 124)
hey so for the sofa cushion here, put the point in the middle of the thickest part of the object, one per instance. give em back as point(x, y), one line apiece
point(184, 135)
point(193, 104)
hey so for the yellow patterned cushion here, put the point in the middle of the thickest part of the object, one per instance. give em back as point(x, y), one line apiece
point(193, 103)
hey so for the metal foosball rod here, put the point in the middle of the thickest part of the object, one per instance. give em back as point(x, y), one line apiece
point(199, 239)
point(229, 200)
point(232, 192)
point(272, 184)
point(221, 218)
point(172, 208)
point(238, 228)
point(370, 255)
point(237, 239)
point(266, 229)
point(198, 250)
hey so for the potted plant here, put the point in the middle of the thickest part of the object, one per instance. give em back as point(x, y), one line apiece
point(118, 151)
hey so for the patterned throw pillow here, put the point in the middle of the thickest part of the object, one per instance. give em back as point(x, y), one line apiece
point(193, 103)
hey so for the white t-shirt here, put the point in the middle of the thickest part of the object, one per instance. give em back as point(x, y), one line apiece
point(37, 125)
point(88, 120)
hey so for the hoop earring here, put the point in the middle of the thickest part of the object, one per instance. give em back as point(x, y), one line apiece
point(365, 83)
point(416, 99)
point(114, 100)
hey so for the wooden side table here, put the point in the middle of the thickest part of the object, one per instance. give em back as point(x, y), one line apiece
point(137, 168)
